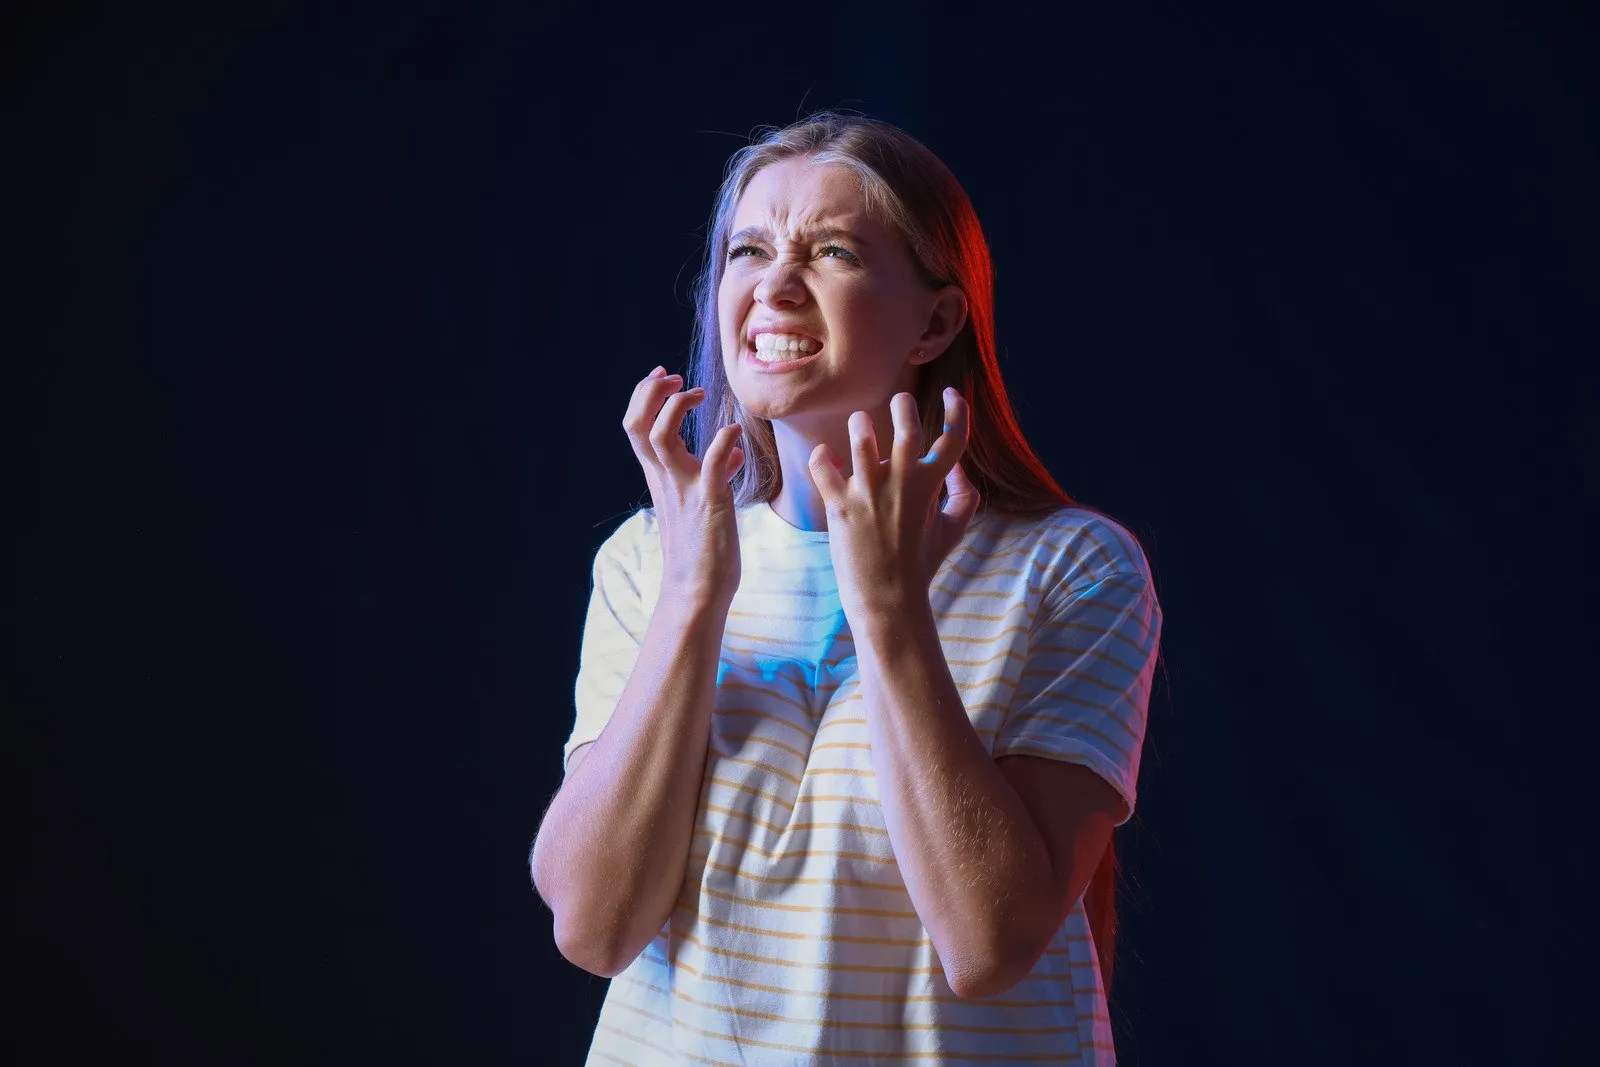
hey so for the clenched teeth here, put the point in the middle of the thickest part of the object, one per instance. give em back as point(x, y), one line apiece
point(778, 347)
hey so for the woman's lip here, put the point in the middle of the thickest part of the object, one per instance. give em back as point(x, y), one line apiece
point(778, 367)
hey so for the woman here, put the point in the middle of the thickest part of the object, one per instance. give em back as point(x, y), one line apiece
point(862, 696)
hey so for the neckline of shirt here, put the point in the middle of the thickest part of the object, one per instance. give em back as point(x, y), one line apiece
point(769, 515)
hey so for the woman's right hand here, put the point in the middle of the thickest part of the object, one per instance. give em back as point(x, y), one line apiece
point(692, 498)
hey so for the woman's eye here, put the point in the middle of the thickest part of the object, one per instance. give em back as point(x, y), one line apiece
point(826, 251)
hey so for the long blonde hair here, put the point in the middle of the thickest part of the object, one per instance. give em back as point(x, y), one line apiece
point(910, 190)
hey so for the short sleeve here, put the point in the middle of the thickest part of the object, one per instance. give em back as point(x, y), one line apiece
point(1084, 692)
point(613, 630)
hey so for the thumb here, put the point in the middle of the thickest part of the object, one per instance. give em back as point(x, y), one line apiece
point(962, 500)
point(952, 519)
point(824, 470)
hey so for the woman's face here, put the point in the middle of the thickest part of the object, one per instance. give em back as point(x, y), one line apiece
point(837, 292)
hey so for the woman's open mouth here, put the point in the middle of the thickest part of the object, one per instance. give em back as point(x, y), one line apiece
point(778, 352)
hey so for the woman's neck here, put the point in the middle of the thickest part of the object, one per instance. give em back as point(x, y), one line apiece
point(798, 502)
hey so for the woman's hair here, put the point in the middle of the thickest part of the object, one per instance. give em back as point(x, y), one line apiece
point(913, 193)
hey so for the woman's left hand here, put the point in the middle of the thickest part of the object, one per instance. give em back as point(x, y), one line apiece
point(887, 534)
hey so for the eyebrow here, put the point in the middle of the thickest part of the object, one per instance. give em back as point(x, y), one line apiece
point(751, 233)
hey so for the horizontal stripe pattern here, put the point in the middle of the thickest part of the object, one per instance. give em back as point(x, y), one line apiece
point(794, 939)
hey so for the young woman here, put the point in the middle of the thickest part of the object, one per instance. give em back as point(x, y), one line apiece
point(862, 695)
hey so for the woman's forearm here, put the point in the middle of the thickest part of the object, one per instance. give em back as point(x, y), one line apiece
point(976, 867)
point(611, 850)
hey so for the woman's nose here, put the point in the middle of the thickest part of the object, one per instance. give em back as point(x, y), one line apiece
point(780, 284)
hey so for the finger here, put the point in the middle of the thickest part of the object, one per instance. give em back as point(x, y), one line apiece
point(824, 468)
point(952, 442)
point(722, 461)
point(643, 407)
point(655, 384)
point(907, 448)
point(666, 439)
point(863, 443)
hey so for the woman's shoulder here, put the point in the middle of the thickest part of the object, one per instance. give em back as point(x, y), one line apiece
point(638, 535)
point(1074, 540)
point(640, 527)
point(635, 537)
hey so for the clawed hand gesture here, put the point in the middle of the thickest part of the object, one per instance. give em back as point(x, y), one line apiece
point(692, 498)
point(887, 534)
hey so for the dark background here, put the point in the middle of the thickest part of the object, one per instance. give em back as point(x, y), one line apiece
point(321, 324)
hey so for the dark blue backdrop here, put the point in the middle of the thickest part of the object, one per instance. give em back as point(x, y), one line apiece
point(322, 324)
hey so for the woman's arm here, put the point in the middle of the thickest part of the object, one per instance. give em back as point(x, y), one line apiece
point(611, 851)
point(993, 858)
point(612, 847)
point(991, 867)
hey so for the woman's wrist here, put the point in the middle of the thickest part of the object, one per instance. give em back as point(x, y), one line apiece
point(692, 605)
point(889, 615)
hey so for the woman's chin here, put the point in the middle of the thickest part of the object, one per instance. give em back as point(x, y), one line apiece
point(773, 403)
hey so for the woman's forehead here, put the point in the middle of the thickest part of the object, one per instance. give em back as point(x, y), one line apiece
point(798, 197)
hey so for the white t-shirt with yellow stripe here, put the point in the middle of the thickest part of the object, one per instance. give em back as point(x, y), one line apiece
point(795, 941)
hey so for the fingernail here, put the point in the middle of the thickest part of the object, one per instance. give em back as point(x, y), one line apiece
point(658, 370)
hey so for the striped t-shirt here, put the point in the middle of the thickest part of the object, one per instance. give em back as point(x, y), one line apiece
point(794, 940)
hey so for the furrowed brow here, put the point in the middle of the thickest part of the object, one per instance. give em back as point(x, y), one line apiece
point(828, 233)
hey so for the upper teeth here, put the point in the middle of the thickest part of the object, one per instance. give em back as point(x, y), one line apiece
point(783, 346)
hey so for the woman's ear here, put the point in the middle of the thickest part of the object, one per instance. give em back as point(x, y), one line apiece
point(945, 321)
